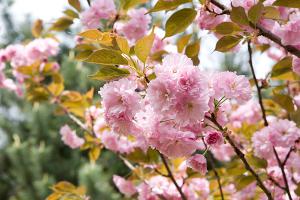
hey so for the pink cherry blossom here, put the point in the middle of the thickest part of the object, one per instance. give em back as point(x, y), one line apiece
point(280, 133)
point(214, 138)
point(207, 20)
point(197, 188)
point(124, 186)
point(197, 163)
point(70, 138)
point(223, 152)
point(231, 86)
point(289, 32)
point(136, 27)
point(40, 49)
point(297, 100)
point(99, 9)
point(173, 142)
point(250, 113)
point(180, 90)
point(120, 103)
point(296, 65)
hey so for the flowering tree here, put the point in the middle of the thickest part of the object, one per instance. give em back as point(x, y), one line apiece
point(185, 133)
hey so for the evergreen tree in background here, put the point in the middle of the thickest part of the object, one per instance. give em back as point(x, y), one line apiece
point(32, 156)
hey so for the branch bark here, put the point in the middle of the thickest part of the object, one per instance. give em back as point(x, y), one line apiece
point(257, 86)
point(263, 31)
point(170, 175)
point(241, 155)
point(281, 166)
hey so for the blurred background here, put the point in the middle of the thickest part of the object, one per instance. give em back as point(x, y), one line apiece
point(32, 156)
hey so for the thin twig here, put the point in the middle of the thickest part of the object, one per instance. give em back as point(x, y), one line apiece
point(257, 86)
point(241, 155)
point(276, 183)
point(263, 31)
point(288, 155)
point(170, 175)
point(216, 174)
point(286, 183)
point(210, 160)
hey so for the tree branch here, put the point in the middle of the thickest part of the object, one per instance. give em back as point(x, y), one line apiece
point(263, 31)
point(281, 166)
point(216, 175)
point(257, 86)
point(241, 155)
point(170, 175)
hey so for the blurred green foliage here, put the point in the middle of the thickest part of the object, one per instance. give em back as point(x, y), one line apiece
point(32, 155)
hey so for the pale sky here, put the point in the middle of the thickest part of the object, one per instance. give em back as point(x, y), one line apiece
point(49, 10)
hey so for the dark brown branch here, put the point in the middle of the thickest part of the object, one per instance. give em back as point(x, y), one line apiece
point(281, 166)
point(89, 2)
point(241, 155)
point(257, 86)
point(276, 183)
point(170, 175)
point(263, 31)
point(288, 155)
point(209, 158)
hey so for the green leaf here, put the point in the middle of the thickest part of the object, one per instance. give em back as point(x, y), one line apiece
point(167, 5)
point(227, 42)
point(287, 3)
point(82, 55)
point(193, 49)
point(61, 24)
point(271, 12)
point(297, 190)
point(256, 162)
point(123, 45)
point(179, 21)
point(107, 73)
point(243, 181)
point(295, 116)
point(182, 42)
point(126, 4)
point(255, 12)
point(151, 156)
point(106, 57)
point(284, 101)
point(71, 13)
point(282, 67)
point(143, 46)
point(92, 34)
point(75, 4)
point(227, 28)
point(239, 16)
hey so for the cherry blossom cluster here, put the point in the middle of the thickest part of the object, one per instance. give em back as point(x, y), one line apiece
point(19, 55)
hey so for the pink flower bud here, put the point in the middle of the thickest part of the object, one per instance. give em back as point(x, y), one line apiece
point(214, 138)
